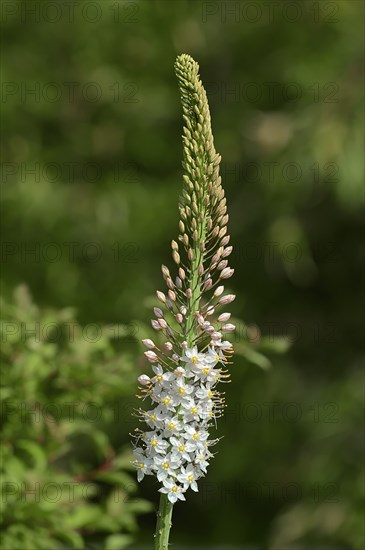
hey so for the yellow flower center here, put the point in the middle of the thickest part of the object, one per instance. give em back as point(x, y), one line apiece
point(201, 457)
point(217, 357)
point(153, 417)
point(165, 465)
point(196, 436)
point(141, 464)
point(159, 377)
point(190, 478)
point(210, 394)
point(174, 489)
point(194, 410)
point(181, 448)
point(206, 370)
point(166, 400)
point(194, 359)
point(171, 426)
point(154, 442)
point(182, 391)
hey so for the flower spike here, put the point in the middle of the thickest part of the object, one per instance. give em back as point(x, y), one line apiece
point(190, 364)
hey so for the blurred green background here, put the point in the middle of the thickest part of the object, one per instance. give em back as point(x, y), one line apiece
point(90, 181)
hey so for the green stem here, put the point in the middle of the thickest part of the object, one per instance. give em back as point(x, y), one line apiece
point(163, 526)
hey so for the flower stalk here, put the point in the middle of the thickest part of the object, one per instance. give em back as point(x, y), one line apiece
point(163, 524)
point(189, 364)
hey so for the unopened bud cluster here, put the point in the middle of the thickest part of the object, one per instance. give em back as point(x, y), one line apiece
point(192, 360)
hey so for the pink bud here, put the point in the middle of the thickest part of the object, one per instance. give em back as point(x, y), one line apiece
point(208, 284)
point(162, 323)
point(210, 310)
point(168, 346)
point(225, 241)
point(222, 264)
point(170, 283)
point(199, 318)
point(151, 356)
point(172, 295)
point(155, 324)
point(216, 336)
point(227, 273)
point(227, 251)
point(144, 379)
point(158, 312)
point(218, 291)
point(148, 343)
point(228, 327)
point(179, 318)
point(189, 293)
point(183, 310)
point(227, 299)
point(184, 345)
point(160, 295)
point(224, 317)
point(215, 258)
point(178, 282)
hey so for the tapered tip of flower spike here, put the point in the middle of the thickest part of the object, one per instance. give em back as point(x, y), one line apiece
point(186, 64)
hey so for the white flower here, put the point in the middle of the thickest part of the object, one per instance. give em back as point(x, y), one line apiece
point(200, 460)
point(192, 410)
point(205, 373)
point(180, 373)
point(172, 425)
point(212, 357)
point(166, 466)
point(223, 346)
point(192, 356)
point(143, 464)
point(154, 418)
point(194, 436)
point(181, 449)
point(188, 477)
point(173, 491)
point(204, 393)
point(155, 442)
point(182, 390)
point(162, 378)
point(166, 399)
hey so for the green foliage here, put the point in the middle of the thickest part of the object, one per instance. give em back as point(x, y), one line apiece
point(62, 479)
